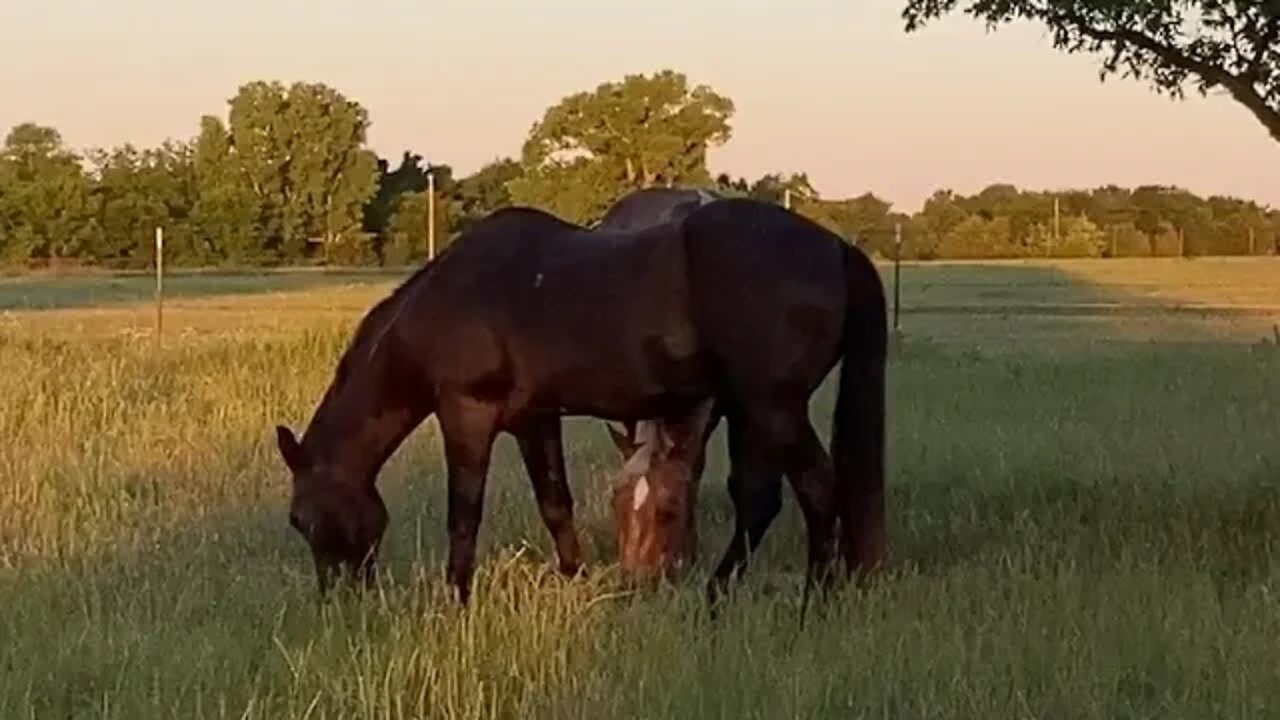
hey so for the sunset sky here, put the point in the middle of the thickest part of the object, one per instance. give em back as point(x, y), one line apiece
point(836, 89)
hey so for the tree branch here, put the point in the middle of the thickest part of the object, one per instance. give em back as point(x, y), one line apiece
point(1238, 85)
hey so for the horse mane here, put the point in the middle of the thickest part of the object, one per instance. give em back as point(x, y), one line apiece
point(374, 325)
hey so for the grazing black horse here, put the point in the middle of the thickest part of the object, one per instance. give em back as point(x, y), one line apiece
point(527, 318)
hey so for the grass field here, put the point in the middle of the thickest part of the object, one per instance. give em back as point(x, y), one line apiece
point(1084, 516)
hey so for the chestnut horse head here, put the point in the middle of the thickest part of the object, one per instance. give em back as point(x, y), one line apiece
point(655, 495)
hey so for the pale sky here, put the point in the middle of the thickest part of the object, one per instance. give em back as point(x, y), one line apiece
point(832, 87)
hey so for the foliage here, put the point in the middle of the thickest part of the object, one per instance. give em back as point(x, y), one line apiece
point(301, 150)
point(137, 191)
point(593, 147)
point(483, 192)
point(409, 177)
point(227, 210)
point(46, 207)
point(1231, 45)
point(285, 178)
point(1003, 221)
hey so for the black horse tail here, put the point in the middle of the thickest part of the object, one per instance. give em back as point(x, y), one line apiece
point(858, 429)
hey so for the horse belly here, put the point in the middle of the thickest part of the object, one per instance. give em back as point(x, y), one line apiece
point(634, 380)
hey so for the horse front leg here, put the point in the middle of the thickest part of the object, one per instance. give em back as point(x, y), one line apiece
point(542, 449)
point(469, 428)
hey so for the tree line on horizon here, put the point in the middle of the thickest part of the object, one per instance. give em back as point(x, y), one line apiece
point(287, 178)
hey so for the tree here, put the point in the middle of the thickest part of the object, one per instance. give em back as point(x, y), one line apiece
point(483, 192)
point(1233, 45)
point(930, 227)
point(46, 209)
point(410, 176)
point(728, 185)
point(228, 211)
point(1170, 212)
point(404, 240)
point(870, 221)
point(773, 187)
point(137, 191)
point(1239, 227)
point(1081, 238)
point(302, 151)
point(975, 237)
point(593, 147)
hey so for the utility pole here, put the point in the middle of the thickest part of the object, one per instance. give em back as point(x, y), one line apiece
point(1057, 224)
point(159, 284)
point(897, 275)
point(431, 215)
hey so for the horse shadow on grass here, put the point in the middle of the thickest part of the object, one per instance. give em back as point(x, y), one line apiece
point(1003, 302)
point(953, 514)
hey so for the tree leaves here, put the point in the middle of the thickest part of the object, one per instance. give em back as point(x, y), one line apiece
point(46, 209)
point(593, 147)
point(301, 151)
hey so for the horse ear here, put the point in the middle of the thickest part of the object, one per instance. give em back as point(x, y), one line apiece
point(290, 450)
point(621, 440)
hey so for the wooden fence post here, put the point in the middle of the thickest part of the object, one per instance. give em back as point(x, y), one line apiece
point(897, 275)
point(431, 215)
point(159, 284)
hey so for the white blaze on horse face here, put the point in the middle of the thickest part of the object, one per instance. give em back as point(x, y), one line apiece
point(641, 494)
point(647, 440)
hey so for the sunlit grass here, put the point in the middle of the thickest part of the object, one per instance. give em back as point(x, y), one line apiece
point(1074, 534)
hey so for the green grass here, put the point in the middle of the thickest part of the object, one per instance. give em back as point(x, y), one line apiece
point(1083, 524)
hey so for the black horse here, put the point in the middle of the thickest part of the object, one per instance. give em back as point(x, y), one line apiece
point(527, 318)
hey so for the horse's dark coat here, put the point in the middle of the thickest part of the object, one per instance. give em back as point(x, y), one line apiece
point(527, 318)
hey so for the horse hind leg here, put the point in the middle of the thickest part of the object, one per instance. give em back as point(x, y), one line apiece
point(812, 476)
point(755, 487)
point(542, 448)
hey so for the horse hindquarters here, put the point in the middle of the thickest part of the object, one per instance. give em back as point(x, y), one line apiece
point(770, 301)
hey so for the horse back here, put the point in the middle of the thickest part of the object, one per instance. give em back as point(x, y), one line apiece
point(547, 315)
point(769, 291)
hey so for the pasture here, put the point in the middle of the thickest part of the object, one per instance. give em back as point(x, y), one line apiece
point(1084, 514)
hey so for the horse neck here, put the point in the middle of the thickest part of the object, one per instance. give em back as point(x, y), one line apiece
point(361, 422)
